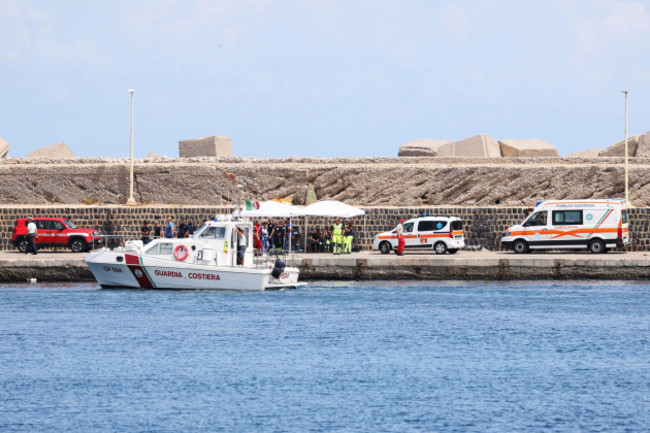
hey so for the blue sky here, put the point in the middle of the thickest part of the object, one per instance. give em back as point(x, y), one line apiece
point(320, 78)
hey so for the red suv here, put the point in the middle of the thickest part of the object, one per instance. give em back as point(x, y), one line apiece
point(55, 232)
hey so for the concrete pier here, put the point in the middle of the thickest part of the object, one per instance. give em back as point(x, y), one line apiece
point(465, 265)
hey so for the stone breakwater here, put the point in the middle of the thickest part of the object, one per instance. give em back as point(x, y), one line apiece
point(467, 265)
point(483, 225)
point(406, 181)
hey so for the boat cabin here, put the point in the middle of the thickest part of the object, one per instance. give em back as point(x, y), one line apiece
point(214, 243)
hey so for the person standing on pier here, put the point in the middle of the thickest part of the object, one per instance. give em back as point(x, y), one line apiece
point(337, 236)
point(145, 231)
point(32, 235)
point(169, 230)
point(348, 236)
point(400, 237)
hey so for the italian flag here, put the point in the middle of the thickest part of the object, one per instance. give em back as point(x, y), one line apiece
point(252, 205)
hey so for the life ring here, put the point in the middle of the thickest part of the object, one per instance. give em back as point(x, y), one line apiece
point(181, 252)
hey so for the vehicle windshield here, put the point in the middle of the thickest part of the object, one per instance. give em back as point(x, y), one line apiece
point(624, 216)
point(211, 233)
point(69, 224)
point(537, 219)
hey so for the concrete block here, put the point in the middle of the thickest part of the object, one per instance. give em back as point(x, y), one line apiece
point(206, 146)
point(527, 148)
point(618, 149)
point(590, 153)
point(53, 151)
point(479, 146)
point(4, 148)
point(643, 147)
point(426, 147)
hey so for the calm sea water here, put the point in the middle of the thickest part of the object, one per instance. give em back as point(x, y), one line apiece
point(366, 357)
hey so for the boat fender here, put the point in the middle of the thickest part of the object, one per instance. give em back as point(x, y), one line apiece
point(181, 252)
point(278, 268)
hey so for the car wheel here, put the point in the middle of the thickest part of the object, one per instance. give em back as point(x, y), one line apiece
point(520, 246)
point(440, 248)
point(77, 246)
point(453, 251)
point(597, 246)
point(384, 247)
point(22, 245)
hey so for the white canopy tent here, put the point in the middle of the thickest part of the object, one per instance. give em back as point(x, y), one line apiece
point(332, 209)
point(271, 208)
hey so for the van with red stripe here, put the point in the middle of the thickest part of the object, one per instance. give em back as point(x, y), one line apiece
point(595, 225)
point(439, 233)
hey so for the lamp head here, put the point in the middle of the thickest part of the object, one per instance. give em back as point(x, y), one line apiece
point(131, 91)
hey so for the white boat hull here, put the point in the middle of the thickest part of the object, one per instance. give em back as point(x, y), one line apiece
point(134, 271)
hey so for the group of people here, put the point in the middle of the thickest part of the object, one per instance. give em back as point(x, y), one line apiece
point(185, 229)
point(273, 235)
point(338, 240)
point(269, 235)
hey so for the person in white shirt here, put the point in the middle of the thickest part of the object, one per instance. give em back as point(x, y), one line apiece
point(241, 246)
point(31, 236)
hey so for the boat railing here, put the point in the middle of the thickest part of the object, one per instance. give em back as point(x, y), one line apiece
point(272, 255)
point(109, 241)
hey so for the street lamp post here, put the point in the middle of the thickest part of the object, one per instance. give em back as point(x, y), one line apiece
point(131, 201)
point(627, 196)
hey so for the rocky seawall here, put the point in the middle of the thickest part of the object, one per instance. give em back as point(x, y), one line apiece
point(405, 181)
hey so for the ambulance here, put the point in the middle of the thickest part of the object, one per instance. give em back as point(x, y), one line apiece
point(596, 225)
point(442, 234)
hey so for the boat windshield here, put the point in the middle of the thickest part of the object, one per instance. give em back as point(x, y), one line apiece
point(212, 233)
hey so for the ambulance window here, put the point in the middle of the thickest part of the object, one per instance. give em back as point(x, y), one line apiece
point(429, 226)
point(561, 217)
point(624, 216)
point(408, 227)
point(537, 219)
point(457, 225)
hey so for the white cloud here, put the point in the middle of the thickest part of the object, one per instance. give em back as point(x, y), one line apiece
point(455, 20)
point(174, 19)
point(607, 34)
point(31, 32)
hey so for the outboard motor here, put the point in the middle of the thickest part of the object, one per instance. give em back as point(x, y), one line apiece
point(278, 268)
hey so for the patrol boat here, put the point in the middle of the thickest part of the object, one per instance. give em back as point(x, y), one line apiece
point(206, 261)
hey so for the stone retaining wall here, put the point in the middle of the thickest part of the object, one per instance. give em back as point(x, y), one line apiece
point(483, 225)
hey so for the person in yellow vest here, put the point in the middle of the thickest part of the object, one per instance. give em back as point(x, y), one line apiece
point(348, 235)
point(337, 236)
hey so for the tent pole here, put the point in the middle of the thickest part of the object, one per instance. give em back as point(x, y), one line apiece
point(365, 235)
point(304, 237)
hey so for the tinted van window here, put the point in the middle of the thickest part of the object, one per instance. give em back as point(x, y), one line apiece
point(429, 226)
point(561, 217)
point(456, 225)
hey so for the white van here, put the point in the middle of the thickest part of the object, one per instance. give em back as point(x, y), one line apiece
point(440, 233)
point(596, 225)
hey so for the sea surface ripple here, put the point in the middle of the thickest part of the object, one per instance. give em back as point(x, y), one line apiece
point(335, 357)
